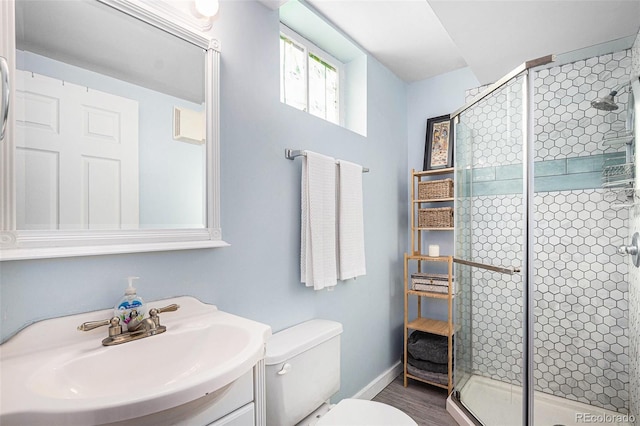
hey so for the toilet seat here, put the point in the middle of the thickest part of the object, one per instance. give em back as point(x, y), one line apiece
point(360, 412)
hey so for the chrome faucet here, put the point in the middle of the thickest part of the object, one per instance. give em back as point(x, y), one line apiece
point(135, 330)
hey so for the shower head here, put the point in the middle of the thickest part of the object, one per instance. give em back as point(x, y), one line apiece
point(607, 103)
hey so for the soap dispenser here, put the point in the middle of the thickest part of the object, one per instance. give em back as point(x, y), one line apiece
point(130, 309)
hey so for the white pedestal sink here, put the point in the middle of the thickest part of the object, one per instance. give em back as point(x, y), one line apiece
point(50, 373)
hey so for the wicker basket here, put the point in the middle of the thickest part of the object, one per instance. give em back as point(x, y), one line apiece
point(435, 189)
point(435, 218)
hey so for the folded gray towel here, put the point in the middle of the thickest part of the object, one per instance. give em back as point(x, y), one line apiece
point(428, 347)
point(427, 365)
point(441, 378)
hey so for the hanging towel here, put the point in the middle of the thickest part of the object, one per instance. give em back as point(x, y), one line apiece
point(351, 261)
point(318, 234)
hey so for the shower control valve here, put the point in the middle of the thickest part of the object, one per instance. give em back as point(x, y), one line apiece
point(632, 250)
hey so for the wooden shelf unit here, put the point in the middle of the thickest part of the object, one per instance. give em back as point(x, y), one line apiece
point(422, 323)
point(431, 294)
point(439, 200)
point(420, 379)
point(416, 178)
point(429, 325)
point(446, 171)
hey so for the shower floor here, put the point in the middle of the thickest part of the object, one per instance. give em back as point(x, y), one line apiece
point(497, 403)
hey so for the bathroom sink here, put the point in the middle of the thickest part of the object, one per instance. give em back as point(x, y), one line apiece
point(50, 373)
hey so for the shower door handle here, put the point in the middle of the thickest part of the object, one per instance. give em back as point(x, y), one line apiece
point(632, 250)
point(4, 108)
point(509, 271)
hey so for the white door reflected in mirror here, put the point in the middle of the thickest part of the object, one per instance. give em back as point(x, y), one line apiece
point(76, 156)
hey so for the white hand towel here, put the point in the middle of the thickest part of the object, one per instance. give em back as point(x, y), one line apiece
point(350, 221)
point(318, 234)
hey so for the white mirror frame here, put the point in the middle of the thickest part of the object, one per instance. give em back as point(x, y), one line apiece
point(19, 244)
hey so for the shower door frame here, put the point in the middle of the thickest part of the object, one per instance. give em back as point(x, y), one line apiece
point(527, 71)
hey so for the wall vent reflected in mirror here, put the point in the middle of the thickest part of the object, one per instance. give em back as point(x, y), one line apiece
point(188, 125)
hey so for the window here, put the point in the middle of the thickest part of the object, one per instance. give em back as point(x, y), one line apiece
point(309, 77)
point(322, 71)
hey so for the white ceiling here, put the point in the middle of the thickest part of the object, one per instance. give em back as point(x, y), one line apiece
point(419, 39)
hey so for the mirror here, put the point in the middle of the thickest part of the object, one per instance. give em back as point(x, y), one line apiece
point(108, 126)
point(95, 100)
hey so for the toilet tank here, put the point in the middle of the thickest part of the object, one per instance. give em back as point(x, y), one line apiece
point(302, 370)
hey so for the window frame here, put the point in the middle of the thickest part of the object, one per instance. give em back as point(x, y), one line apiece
point(311, 49)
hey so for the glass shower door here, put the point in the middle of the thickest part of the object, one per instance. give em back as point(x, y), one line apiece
point(489, 230)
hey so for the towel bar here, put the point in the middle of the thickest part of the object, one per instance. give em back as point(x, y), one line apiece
point(290, 154)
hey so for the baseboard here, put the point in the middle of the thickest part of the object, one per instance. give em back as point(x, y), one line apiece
point(379, 383)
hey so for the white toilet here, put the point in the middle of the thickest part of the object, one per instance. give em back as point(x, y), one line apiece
point(303, 372)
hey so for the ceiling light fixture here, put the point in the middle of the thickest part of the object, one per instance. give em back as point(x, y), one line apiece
point(207, 8)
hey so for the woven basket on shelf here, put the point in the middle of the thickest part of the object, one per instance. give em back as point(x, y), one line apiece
point(435, 189)
point(435, 218)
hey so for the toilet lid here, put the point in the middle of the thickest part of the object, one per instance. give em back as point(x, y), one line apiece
point(360, 412)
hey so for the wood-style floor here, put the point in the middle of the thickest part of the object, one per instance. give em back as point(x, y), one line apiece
point(423, 403)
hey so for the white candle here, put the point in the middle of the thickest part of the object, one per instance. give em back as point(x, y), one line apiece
point(434, 251)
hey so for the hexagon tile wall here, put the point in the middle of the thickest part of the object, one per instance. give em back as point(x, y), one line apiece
point(581, 299)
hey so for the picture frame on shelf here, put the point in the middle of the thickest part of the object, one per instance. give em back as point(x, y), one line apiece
point(438, 148)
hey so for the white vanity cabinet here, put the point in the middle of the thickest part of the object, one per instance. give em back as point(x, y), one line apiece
point(241, 417)
point(236, 408)
point(240, 405)
point(233, 405)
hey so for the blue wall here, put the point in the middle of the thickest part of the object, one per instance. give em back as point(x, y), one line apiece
point(258, 276)
point(433, 97)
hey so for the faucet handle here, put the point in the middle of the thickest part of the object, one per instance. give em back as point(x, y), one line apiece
point(170, 308)
point(153, 312)
point(90, 325)
point(114, 323)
